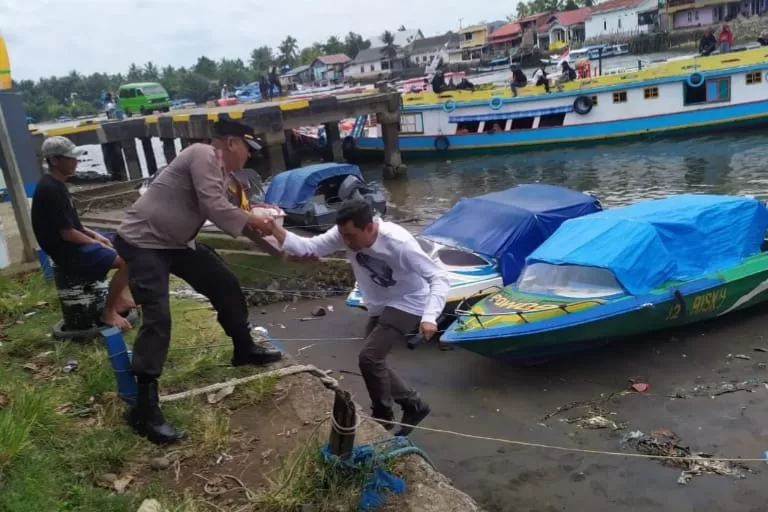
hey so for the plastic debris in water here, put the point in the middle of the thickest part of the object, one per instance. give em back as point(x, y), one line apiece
point(71, 366)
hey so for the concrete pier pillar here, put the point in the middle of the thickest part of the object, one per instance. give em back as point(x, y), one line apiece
point(131, 158)
point(274, 151)
point(393, 161)
point(149, 155)
point(291, 153)
point(185, 143)
point(169, 150)
point(113, 161)
point(333, 138)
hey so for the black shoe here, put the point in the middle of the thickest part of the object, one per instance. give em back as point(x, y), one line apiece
point(256, 355)
point(146, 418)
point(414, 413)
point(385, 414)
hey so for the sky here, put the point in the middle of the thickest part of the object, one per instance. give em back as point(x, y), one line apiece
point(53, 37)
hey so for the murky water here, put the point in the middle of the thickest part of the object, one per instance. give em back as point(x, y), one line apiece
point(617, 173)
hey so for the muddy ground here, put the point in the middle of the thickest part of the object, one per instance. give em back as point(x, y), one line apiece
point(695, 390)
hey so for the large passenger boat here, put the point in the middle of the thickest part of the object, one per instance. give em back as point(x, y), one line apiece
point(717, 92)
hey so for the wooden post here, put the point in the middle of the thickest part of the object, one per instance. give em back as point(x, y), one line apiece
point(113, 159)
point(342, 440)
point(132, 158)
point(333, 139)
point(19, 201)
point(149, 155)
point(393, 161)
point(169, 150)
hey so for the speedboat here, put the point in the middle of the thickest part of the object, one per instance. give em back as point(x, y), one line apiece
point(482, 241)
point(624, 271)
point(310, 196)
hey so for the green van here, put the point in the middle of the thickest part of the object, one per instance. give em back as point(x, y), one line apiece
point(143, 98)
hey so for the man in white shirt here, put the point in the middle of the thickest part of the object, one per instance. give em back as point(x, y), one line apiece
point(404, 289)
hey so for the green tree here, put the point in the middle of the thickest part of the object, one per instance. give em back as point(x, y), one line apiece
point(262, 59)
point(353, 43)
point(389, 50)
point(195, 86)
point(309, 54)
point(151, 72)
point(135, 73)
point(233, 72)
point(288, 49)
point(333, 46)
point(205, 67)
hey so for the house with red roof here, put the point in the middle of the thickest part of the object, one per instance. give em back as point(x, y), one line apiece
point(530, 25)
point(328, 67)
point(616, 17)
point(563, 29)
point(505, 38)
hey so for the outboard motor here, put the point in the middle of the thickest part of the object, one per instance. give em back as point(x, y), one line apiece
point(352, 188)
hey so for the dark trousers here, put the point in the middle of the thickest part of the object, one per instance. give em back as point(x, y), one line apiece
point(381, 334)
point(148, 274)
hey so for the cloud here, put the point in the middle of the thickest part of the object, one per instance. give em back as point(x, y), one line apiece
point(53, 37)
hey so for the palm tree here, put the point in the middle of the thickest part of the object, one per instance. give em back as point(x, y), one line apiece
point(389, 50)
point(288, 50)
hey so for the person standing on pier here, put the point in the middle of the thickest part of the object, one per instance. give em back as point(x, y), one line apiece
point(404, 290)
point(73, 247)
point(157, 239)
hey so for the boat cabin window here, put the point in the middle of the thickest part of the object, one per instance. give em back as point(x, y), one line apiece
point(573, 281)
point(754, 77)
point(467, 127)
point(620, 97)
point(552, 120)
point(412, 123)
point(458, 258)
point(714, 90)
point(651, 93)
point(522, 123)
point(594, 101)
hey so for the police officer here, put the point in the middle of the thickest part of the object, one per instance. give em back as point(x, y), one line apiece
point(157, 239)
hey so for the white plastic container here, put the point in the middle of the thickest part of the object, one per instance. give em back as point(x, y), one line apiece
point(274, 211)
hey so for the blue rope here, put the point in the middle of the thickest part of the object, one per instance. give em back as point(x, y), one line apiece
point(366, 458)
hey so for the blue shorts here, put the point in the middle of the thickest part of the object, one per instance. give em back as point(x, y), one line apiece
point(92, 261)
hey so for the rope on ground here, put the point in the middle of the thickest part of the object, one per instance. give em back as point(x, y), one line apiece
point(560, 448)
point(328, 381)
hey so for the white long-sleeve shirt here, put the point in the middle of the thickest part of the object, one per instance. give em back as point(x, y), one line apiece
point(393, 272)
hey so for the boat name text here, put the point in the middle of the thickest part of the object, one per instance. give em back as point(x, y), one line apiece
point(503, 302)
point(702, 304)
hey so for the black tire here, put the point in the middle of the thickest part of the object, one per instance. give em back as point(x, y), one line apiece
point(442, 143)
point(583, 105)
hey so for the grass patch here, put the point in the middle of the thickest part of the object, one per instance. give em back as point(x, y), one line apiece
point(68, 426)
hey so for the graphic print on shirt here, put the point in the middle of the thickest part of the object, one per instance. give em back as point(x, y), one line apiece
point(380, 271)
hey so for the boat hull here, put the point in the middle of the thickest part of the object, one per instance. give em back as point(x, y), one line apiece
point(713, 120)
point(609, 321)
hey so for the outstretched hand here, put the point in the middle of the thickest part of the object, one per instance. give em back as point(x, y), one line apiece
point(263, 224)
point(427, 331)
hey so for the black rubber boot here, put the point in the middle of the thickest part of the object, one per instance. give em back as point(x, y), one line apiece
point(256, 355)
point(383, 413)
point(414, 412)
point(146, 418)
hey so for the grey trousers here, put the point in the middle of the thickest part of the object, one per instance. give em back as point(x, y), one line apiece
point(381, 334)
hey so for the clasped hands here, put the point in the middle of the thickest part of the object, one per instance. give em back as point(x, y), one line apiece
point(266, 225)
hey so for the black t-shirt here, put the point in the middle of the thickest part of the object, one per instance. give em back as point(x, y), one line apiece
point(52, 211)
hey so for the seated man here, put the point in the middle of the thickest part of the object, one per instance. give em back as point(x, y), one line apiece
point(73, 247)
point(518, 78)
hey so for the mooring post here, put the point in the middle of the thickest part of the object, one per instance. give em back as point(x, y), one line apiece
point(113, 159)
point(274, 151)
point(185, 143)
point(393, 161)
point(149, 155)
point(333, 139)
point(343, 426)
point(132, 158)
point(169, 150)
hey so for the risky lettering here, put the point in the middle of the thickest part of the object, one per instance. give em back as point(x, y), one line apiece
point(503, 302)
point(709, 302)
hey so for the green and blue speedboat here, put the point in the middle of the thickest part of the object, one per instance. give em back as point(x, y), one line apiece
point(624, 271)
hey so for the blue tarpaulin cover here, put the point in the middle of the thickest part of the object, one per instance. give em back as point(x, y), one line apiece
point(292, 189)
point(509, 224)
point(652, 242)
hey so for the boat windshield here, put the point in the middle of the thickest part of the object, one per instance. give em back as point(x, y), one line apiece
point(573, 281)
point(450, 256)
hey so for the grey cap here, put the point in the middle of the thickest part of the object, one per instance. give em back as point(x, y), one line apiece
point(61, 146)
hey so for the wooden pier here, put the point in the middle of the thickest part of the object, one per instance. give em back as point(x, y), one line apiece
point(271, 121)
